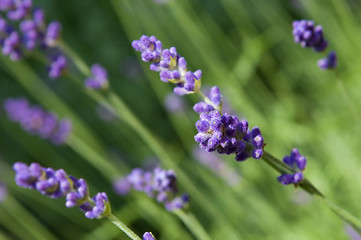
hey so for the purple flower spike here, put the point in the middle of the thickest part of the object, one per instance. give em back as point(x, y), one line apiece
point(298, 163)
point(37, 121)
point(99, 78)
point(228, 135)
point(308, 35)
point(329, 62)
point(101, 207)
point(57, 184)
point(159, 184)
point(148, 236)
point(52, 34)
point(170, 65)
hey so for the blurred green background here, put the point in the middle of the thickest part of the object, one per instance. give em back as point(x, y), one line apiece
point(244, 47)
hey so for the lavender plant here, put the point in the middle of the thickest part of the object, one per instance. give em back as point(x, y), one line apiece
point(57, 184)
point(36, 121)
point(217, 130)
point(159, 183)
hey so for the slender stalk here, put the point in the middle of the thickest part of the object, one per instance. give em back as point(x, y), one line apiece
point(193, 225)
point(279, 166)
point(347, 98)
point(123, 227)
point(79, 63)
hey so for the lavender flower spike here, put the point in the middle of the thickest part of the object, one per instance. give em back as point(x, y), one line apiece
point(226, 134)
point(57, 184)
point(170, 65)
point(37, 121)
point(298, 163)
point(159, 184)
point(148, 236)
point(329, 62)
point(308, 35)
point(99, 78)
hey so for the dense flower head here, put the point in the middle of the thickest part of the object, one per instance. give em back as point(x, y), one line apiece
point(36, 121)
point(148, 236)
point(226, 134)
point(57, 184)
point(298, 164)
point(159, 184)
point(212, 102)
point(328, 62)
point(99, 78)
point(170, 65)
point(308, 35)
point(23, 29)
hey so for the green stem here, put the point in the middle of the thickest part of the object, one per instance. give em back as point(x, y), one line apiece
point(79, 63)
point(345, 95)
point(193, 225)
point(123, 227)
point(279, 166)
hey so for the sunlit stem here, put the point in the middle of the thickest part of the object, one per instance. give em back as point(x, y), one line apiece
point(193, 225)
point(281, 167)
point(123, 227)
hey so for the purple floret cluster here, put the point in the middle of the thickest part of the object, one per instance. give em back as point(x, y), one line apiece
point(226, 134)
point(57, 184)
point(23, 29)
point(37, 121)
point(308, 35)
point(170, 65)
point(99, 78)
point(148, 236)
point(328, 62)
point(159, 184)
point(298, 164)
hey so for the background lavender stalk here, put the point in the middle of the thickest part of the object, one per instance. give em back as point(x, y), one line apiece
point(37, 121)
point(57, 184)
